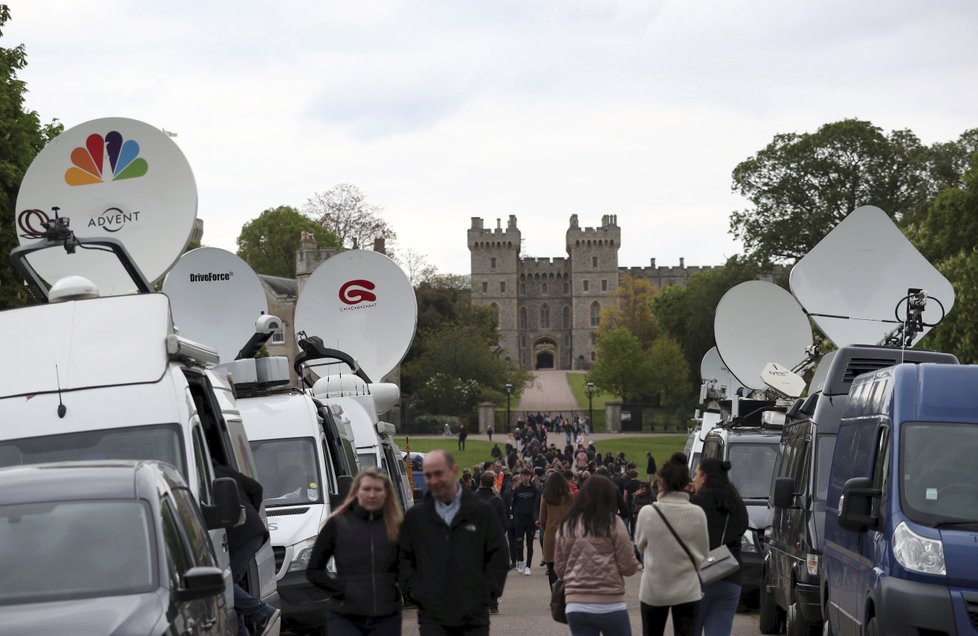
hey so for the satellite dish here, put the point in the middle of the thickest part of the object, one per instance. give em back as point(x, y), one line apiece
point(757, 323)
point(215, 298)
point(116, 178)
point(783, 380)
point(852, 280)
point(360, 302)
point(712, 369)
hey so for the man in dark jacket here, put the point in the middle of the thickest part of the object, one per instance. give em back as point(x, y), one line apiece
point(487, 492)
point(452, 554)
point(526, 511)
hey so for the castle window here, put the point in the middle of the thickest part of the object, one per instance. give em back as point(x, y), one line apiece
point(545, 317)
point(594, 261)
point(587, 285)
point(604, 284)
point(485, 287)
point(502, 287)
point(595, 314)
point(566, 287)
point(567, 317)
point(545, 288)
point(492, 262)
point(523, 320)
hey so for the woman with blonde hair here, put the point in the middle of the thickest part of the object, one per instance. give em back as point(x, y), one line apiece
point(361, 535)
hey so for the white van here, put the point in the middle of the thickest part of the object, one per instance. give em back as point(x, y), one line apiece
point(306, 463)
point(107, 378)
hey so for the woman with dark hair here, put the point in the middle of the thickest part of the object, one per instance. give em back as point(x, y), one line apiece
point(726, 519)
point(592, 554)
point(677, 529)
point(554, 506)
point(362, 537)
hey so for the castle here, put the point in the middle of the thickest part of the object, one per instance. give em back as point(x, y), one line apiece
point(548, 309)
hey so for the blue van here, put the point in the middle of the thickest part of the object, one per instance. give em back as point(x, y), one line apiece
point(901, 528)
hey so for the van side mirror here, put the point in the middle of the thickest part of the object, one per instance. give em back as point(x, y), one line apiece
point(784, 492)
point(200, 582)
point(856, 504)
point(226, 511)
point(343, 485)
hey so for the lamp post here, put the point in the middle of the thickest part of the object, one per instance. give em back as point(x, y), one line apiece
point(509, 390)
point(590, 410)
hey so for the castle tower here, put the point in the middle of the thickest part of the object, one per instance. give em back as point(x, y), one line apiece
point(593, 255)
point(495, 264)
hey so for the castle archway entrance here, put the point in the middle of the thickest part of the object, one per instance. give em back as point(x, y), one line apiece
point(545, 354)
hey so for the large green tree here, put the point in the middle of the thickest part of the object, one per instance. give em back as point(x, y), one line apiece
point(21, 137)
point(269, 242)
point(668, 372)
point(801, 185)
point(622, 366)
point(632, 309)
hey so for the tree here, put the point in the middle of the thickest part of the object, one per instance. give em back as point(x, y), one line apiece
point(344, 211)
point(416, 265)
point(632, 309)
point(622, 366)
point(22, 136)
point(802, 185)
point(269, 242)
point(669, 372)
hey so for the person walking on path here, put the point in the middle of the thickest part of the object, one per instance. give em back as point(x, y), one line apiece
point(526, 507)
point(650, 465)
point(452, 554)
point(489, 431)
point(462, 434)
point(593, 554)
point(487, 492)
point(726, 520)
point(671, 580)
point(361, 535)
point(555, 503)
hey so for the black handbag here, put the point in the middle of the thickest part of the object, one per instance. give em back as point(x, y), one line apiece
point(558, 602)
point(718, 564)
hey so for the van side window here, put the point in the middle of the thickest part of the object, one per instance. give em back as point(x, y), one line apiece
point(330, 469)
point(200, 464)
point(881, 466)
point(211, 419)
point(178, 556)
point(193, 526)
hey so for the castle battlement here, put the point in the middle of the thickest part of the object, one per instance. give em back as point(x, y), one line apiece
point(479, 237)
point(544, 263)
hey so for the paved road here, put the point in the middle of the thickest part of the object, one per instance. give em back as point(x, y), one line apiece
point(549, 393)
point(525, 609)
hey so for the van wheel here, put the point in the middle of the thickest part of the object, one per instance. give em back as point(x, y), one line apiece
point(797, 625)
point(771, 616)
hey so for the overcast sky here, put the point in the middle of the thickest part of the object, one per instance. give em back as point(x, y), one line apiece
point(444, 110)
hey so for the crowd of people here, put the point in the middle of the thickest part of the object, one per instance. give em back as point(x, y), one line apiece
point(594, 519)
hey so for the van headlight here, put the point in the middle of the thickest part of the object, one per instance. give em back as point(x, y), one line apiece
point(917, 553)
point(303, 552)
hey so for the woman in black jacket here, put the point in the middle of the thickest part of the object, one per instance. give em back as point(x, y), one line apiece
point(362, 537)
point(726, 520)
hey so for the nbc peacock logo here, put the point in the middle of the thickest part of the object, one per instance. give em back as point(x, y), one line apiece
point(108, 158)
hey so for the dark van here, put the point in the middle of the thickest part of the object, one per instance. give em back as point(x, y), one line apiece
point(791, 595)
point(901, 525)
point(751, 450)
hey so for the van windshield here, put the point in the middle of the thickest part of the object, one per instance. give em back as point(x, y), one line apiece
point(938, 481)
point(75, 549)
point(751, 468)
point(160, 442)
point(288, 471)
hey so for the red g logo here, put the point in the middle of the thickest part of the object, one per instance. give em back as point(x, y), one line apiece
point(356, 291)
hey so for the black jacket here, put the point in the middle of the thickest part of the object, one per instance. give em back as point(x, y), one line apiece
point(526, 503)
point(365, 583)
point(250, 497)
point(451, 572)
point(717, 518)
point(490, 497)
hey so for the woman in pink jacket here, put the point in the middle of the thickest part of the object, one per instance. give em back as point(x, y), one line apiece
point(593, 553)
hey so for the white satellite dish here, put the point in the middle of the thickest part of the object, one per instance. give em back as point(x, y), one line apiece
point(361, 303)
point(757, 323)
point(783, 380)
point(713, 370)
point(117, 178)
point(852, 280)
point(215, 298)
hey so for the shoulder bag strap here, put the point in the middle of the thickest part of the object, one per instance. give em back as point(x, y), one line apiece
point(723, 537)
point(681, 544)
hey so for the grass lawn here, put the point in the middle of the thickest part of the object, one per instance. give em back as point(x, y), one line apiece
point(578, 384)
point(634, 447)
